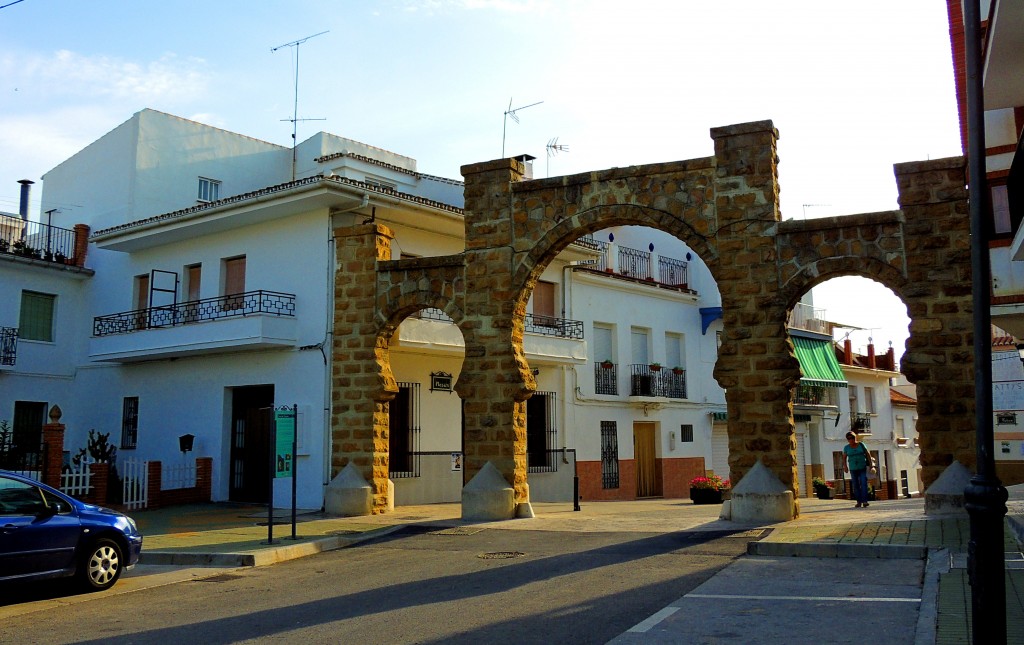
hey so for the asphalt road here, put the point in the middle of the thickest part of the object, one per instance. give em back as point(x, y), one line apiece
point(419, 585)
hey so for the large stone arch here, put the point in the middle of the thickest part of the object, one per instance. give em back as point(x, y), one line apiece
point(725, 208)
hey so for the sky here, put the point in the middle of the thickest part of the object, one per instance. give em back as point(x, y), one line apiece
point(852, 88)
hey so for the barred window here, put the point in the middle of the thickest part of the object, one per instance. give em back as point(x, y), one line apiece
point(130, 422)
point(404, 431)
point(541, 433)
point(686, 433)
point(609, 455)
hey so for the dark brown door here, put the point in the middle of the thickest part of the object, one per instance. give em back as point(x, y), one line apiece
point(252, 419)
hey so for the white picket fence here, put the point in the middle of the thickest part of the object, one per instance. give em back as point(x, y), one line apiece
point(183, 476)
point(135, 477)
point(77, 482)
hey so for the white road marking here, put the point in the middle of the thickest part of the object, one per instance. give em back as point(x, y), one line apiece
point(646, 625)
point(820, 598)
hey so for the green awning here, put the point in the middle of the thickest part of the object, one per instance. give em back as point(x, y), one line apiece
point(818, 363)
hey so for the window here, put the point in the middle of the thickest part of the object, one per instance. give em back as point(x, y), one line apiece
point(234, 282)
point(404, 431)
point(1001, 222)
point(640, 340)
point(854, 407)
point(380, 183)
point(209, 190)
point(605, 377)
point(609, 455)
point(544, 300)
point(901, 430)
point(686, 433)
point(36, 318)
point(130, 422)
point(193, 277)
point(869, 400)
point(24, 450)
point(674, 356)
point(541, 433)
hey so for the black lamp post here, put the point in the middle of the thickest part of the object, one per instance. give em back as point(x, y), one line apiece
point(984, 497)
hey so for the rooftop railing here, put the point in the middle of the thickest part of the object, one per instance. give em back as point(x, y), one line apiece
point(35, 240)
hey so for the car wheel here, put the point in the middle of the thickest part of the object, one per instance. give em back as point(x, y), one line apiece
point(100, 566)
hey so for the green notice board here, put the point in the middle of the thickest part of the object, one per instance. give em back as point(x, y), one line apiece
point(284, 422)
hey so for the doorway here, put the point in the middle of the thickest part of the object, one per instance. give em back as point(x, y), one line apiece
point(644, 456)
point(251, 424)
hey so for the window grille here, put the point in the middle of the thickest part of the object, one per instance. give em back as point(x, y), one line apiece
point(130, 422)
point(404, 432)
point(686, 433)
point(541, 433)
point(609, 455)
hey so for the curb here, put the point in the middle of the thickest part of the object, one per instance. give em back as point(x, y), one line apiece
point(262, 557)
point(833, 550)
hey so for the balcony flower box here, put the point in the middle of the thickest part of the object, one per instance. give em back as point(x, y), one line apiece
point(678, 371)
point(655, 367)
point(607, 365)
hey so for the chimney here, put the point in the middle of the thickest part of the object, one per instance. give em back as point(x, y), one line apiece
point(871, 356)
point(26, 188)
point(847, 352)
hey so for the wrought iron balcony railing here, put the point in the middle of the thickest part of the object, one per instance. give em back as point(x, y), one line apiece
point(860, 422)
point(551, 326)
point(657, 381)
point(183, 313)
point(636, 264)
point(606, 378)
point(36, 240)
point(8, 345)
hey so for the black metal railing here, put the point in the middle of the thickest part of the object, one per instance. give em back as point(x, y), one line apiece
point(194, 311)
point(815, 395)
point(8, 345)
point(635, 263)
point(406, 464)
point(433, 313)
point(35, 240)
point(672, 271)
point(609, 455)
point(646, 380)
point(551, 326)
point(588, 242)
point(860, 422)
point(28, 460)
point(606, 378)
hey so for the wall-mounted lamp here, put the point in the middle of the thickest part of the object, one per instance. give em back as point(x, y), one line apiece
point(185, 443)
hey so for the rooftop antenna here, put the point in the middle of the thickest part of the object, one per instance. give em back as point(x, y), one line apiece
point(553, 149)
point(806, 206)
point(510, 112)
point(295, 112)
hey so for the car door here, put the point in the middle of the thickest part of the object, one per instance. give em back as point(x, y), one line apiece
point(33, 539)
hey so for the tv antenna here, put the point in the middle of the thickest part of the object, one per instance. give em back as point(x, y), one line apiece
point(553, 149)
point(295, 111)
point(806, 206)
point(515, 117)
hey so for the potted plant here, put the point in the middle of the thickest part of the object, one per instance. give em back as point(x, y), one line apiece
point(60, 258)
point(655, 367)
point(607, 364)
point(822, 488)
point(678, 371)
point(708, 490)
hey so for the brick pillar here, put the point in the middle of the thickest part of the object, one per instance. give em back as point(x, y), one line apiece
point(204, 478)
point(81, 244)
point(756, 365)
point(362, 383)
point(939, 356)
point(494, 381)
point(100, 478)
point(871, 355)
point(154, 473)
point(53, 444)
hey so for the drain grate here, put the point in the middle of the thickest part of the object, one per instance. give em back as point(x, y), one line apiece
point(224, 577)
point(501, 555)
point(457, 530)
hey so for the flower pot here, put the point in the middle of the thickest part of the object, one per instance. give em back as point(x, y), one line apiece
point(823, 492)
point(705, 496)
point(655, 368)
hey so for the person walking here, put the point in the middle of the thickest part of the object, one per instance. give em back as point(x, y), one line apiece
point(858, 461)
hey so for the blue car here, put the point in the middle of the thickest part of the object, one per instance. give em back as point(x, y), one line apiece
point(46, 534)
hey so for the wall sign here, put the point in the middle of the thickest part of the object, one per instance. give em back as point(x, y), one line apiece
point(440, 382)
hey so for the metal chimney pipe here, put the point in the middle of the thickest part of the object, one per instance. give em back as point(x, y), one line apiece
point(26, 188)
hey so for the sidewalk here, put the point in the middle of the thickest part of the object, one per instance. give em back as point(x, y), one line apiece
point(227, 535)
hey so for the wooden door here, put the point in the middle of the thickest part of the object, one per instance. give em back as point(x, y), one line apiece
point(252, 419)
point(644, 451)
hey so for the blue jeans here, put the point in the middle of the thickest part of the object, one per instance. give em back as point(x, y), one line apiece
point(859, 479)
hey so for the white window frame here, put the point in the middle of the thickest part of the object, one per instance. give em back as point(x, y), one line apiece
point(209, 190)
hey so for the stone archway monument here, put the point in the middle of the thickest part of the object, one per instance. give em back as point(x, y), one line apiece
point(724, 207)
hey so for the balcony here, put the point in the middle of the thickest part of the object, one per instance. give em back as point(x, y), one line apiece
point(812, 395)
point(238, 322)
point(809, 318)
point(860, 422)
point(606, 378)
point(637, 265)
point(8, 346)
point(648, 380)
point(36, 241)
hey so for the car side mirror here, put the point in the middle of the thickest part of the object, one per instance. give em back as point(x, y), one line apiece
point(55, 507)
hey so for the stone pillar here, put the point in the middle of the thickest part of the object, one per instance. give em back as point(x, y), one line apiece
point(939, 357)
point(81, 245)
point(53, 446)
point(361, 378)
point(494, 382)
point(756, 365)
